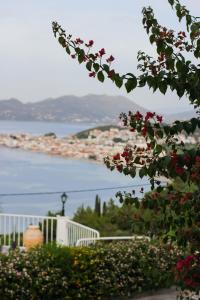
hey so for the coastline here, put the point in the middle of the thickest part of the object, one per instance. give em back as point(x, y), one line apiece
point(94, 148)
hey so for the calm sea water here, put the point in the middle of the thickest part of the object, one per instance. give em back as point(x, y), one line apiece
point(37, 128)
point(26, 172)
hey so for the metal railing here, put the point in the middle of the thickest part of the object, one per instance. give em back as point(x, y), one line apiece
point(57, 229)
point(88, 241)
point(13, 226)
point(77, 232)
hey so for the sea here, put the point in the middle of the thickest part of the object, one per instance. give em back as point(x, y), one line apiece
point(34, 174)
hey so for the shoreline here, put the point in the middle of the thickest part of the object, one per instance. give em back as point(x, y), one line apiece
point(94, 148)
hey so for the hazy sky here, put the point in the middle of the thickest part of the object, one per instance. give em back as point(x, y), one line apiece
point(34, 66)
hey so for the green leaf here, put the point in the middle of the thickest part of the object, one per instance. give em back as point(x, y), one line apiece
point(68, 50)
point(61, 40)
point(166, 129)
point(81, 55)
point(152, 38)
point(162, 87)
point(118, 80)
point(96, 67)
point(100, 76)
point(170, 63)
point(131, 84)
point(171, 2)
point(133, 172)
point(160, 46)
point(158, 149)
point(106, 68)
point(160, 133)
point(142, 172)
point(89, 65)
point(169, 51)
point(179, 65)
point(150, 131)
point(180, 91)
point(187, 127)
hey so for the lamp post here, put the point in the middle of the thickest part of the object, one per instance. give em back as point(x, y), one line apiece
point(63, 200)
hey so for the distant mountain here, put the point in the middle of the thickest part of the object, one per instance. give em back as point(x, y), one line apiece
point(186, 115)
point(100, 109)
point(90, 108)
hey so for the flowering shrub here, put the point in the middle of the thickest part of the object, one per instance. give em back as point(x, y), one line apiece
point(106, 270)
point(165, 153)
point(188, 273)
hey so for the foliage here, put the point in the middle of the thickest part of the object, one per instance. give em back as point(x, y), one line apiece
point(107, 270)
point(188, 272)
point(124, 220)
point(176, 68)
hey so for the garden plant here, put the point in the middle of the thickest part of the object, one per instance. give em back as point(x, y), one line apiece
point(106, 271)
point(176, 67)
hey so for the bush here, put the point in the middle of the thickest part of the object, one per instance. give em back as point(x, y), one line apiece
point(105, 270)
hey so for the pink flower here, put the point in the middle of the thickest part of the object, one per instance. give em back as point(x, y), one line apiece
point(110, 59)
point(92, 74)
point(91, 42)
point(78, 41)
point(159, 119)
point(102, 52)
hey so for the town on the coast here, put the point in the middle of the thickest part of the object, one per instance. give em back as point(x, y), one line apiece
point(95, 146)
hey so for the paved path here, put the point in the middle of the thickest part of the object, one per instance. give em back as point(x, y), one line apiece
point(164, 295)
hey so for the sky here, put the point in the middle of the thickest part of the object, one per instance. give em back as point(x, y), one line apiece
point(34, 66)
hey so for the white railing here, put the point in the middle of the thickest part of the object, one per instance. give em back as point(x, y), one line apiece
point(74, 232)
point(13, 226)
point(57, 229)
point(88, 241)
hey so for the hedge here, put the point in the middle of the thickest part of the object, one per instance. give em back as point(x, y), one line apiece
point(104, 271)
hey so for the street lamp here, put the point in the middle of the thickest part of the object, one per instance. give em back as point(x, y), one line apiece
point(63, 199)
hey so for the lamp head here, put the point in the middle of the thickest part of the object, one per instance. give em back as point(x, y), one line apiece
point(63, 197)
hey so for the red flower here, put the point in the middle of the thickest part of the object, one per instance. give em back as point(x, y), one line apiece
point(148, 146)
point(92, 74)
point(110, 59)
point(179, 170)
point(116, 156)
point(180, 264)
point(138, 115)
point(125, 154)
point(119, 168)
point(111, 74)
point(149, 115)
point(91, 42)
point(187, 158)
point(132, 129)
point(144, 131)
point(198, 159)
point(78, 41)
point(159, 118)
point(102, 52)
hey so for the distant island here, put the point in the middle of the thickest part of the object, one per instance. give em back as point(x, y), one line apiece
point(99, 109)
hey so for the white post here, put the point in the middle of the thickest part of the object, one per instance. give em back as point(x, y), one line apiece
point(62, 232)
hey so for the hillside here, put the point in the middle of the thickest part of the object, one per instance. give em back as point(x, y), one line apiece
point(91, 108)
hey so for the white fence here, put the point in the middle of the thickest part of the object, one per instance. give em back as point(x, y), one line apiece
point(88, 241)
point(55, 229)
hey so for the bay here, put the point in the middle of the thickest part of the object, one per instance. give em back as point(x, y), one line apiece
point(39, 128)
point(27, 172)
